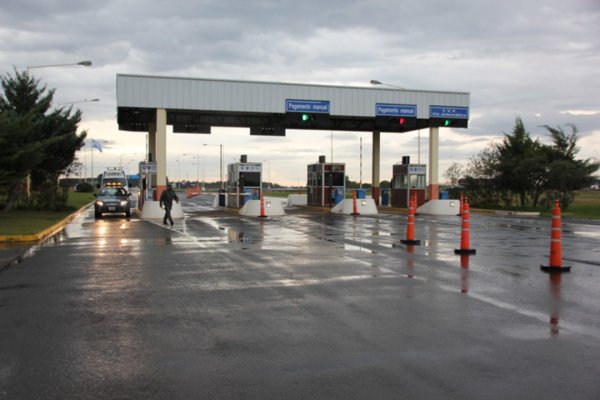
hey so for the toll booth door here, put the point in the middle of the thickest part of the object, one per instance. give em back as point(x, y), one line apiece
point(329, 197)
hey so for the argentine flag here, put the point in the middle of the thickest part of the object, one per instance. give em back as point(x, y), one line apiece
point(96, 145)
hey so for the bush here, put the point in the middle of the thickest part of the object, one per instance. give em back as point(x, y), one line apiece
point(84, 187)
point(51, 198)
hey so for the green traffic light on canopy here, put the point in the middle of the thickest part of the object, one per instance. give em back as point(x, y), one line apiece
point(447, 122)
point(305, 117)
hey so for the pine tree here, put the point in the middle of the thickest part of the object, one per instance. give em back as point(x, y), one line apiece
point(34, 139)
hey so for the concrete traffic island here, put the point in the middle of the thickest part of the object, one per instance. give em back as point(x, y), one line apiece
point(272, 207)
point(152, 210)
point(296, 200)
point(363, 207)
point(440, 207)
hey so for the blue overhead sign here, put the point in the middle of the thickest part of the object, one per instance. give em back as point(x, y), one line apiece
point(395, 110)
point(448, 112)
point(307, 106)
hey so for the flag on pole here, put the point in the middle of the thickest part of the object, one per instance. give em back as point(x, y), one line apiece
point(96, 145)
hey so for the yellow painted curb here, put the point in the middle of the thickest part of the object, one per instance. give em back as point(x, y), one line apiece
point(46, 232)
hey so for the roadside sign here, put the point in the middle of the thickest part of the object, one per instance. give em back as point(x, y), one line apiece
point(148, 167)
point(247, 167)
point(395, 110)
point(307, 106)
point(417, 169)
point(448, 112)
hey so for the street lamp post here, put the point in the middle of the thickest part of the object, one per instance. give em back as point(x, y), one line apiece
point(376, 82)
point(78, 101)
point(85, 63)
point(220, 162)
point(197, 157)
point(269, 172)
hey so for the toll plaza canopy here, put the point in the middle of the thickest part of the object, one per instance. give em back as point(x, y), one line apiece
point(191, 105)
point(268, 108)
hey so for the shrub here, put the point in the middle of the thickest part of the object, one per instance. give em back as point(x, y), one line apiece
point(84, 187)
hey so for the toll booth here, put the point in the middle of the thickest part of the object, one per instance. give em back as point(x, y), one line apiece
point(408, 179)
point(147, 171)
point(326, 183)
point(244, 182)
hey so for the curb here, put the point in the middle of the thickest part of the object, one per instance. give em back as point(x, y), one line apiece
point(46, 232)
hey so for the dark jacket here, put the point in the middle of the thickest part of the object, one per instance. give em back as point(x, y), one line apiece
point(167, 198)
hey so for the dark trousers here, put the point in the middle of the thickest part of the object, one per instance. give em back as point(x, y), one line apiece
point(167, 215)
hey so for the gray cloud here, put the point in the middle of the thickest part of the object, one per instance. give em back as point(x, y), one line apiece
point(533, 59)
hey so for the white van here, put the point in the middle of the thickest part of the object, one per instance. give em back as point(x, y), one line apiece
point(114, 177)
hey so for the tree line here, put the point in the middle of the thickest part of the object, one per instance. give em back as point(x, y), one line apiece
point(37, 143)
point(524, 173)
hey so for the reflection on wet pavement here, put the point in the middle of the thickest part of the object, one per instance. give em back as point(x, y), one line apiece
point(365, 248)
point(220, 301)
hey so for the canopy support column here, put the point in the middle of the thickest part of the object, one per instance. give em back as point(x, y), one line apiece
point(161, 151)
point(434, 144)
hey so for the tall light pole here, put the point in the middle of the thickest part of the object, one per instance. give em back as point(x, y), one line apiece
point(269, 172)
point(376, 82)
point(197, 157)
point(78, 101)
point(221, 182)
point(85, 63)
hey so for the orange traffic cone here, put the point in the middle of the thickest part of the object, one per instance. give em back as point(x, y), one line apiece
point(410, 225)
point(464, 234)
point(555, 264)
point(354, 205)
point(262, 206)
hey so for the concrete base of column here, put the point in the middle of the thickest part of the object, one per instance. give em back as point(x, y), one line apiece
point(158, 191)
point(152, 210)
point(375, 195)
point(434, 192)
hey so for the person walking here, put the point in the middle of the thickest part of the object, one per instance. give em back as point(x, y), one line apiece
point(166, 199)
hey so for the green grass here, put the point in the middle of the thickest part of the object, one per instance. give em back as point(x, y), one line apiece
point(586, 205)
point(78, 199)
point(17, 222)
point(282, 193)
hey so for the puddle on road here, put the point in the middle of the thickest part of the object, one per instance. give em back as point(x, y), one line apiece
point(530, 332)
point(588, 234)
point(357, 248)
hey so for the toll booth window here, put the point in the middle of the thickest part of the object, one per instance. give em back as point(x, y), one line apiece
point(417, 181)
point(334, 179)
point(252, 179)
point(399, 182)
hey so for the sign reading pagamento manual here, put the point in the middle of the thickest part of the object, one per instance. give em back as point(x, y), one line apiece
point(307, 106)
point(395, 110)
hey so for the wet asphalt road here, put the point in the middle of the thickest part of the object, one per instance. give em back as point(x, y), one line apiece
point(305, 306)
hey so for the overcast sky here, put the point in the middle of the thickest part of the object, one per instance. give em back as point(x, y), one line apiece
point(537, 59)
